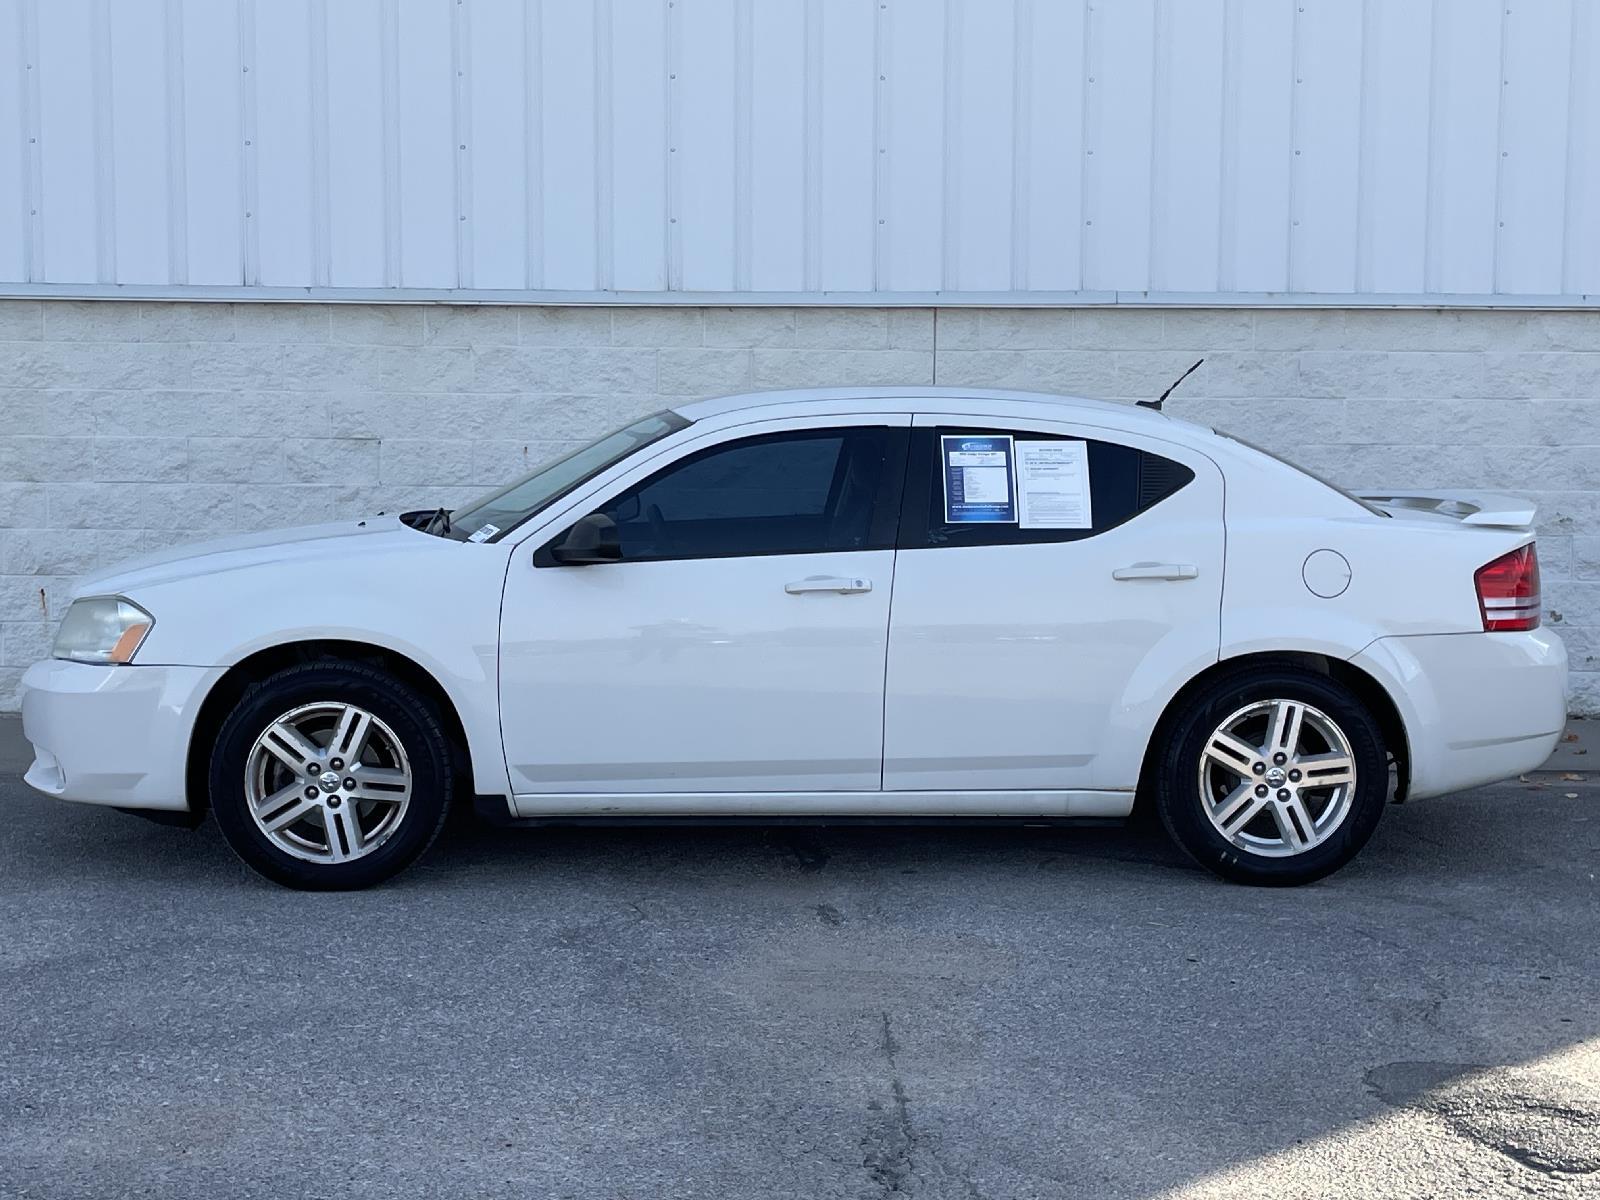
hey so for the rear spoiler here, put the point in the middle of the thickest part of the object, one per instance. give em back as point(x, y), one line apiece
point(1470, 508)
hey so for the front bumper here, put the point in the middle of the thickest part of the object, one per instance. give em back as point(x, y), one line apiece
point(1477, 707)
point(112, 735)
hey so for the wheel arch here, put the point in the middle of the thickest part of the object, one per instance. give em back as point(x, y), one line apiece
point(262, 664)
point(1366, 688)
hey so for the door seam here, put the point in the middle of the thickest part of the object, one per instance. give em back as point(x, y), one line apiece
point(888, 624)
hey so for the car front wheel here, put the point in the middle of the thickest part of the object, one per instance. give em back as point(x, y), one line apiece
point(330, 775)
point(1272, 776)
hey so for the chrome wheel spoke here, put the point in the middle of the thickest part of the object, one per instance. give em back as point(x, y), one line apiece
point(1232, 753)
point(1326, 770)
point(350, 737)
point(292, 797)
point(378, 783)
point(1283, 734)
point(292, 748)
point(1299, 816)
point(1238, 809)
point(285, 817)
point(345, 839)
point(1287, 829)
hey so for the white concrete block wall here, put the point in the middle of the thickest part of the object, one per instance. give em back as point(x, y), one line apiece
point(129, 426)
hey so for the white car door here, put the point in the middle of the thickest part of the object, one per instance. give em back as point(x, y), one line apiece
point(738, 645)
point(1039, 658)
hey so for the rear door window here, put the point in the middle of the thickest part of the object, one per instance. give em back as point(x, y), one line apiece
point(1124, 481)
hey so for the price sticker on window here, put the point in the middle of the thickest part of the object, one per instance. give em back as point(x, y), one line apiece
point(979, 479)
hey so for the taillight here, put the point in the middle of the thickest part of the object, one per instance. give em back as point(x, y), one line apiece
point(1508, 591)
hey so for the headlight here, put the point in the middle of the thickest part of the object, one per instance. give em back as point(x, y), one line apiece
point(102, 629)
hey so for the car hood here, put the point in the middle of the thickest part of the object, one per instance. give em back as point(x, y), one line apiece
point(334, 540)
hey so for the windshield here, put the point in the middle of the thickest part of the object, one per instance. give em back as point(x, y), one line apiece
point(496, 514)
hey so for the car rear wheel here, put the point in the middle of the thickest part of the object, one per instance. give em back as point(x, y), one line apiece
point(329, 776)
point(1272, 776)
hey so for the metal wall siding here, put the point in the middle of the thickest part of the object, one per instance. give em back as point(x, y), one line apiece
point(16, 75)
point(1314, 151)
point(1581, 232)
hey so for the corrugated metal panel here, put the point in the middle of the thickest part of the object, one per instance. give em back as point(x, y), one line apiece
point(1338, 151)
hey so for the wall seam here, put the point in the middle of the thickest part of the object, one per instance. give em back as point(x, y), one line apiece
point(1501, 154)
point(105, 141)
point(1160, 37)
point(1577, 123)
point(33, 163)
point(177, 145)
point(1228, 169)
point(1292, 218)
point(389, 88)
point(1364, 110)
point(604, 163)
point(1021, 144)
point(321, 217)
point(1090, 113)
point(533, 142)
point(461, 139)
point(1432, 196)
point(671, 116)
point(881, 232)
point(250, 249)
point(811, 79)
point(743, 150)
point(812, 82)
point(950, 191)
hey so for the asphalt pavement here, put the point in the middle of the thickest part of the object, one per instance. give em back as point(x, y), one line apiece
point(730, 1013)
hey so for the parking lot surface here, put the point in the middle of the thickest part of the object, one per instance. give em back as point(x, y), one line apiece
point(843, 1012)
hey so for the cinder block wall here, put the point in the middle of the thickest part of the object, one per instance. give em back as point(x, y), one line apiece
point(125, 427)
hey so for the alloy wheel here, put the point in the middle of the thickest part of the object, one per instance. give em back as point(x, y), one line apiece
point(1277, 778)
point(327, 782)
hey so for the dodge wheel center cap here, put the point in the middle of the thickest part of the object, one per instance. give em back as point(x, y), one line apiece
point(329, 781)
point(1275, 777)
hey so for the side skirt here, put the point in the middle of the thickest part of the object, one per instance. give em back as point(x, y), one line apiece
point(856, 806)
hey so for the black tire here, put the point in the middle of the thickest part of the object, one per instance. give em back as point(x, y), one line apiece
point(415, 723)
point(1177, 791)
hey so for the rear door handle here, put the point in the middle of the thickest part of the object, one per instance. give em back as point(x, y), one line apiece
point(1152, 570)
point(828, 583)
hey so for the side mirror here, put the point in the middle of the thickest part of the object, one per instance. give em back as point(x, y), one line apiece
point(592, 540)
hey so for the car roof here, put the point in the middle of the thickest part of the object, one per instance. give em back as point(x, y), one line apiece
point(974, 401)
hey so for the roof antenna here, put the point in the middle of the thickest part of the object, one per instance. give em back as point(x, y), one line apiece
point(1162, 399)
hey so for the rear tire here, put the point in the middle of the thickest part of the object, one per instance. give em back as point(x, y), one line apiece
point(1272, 775)
point(330, 776)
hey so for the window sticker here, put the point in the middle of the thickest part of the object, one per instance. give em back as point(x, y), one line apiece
point(979, 479)
point(1053, 485)
point(483, 533)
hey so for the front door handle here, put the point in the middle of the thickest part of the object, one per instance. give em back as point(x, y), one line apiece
point(828, 583)
point(1153, 570)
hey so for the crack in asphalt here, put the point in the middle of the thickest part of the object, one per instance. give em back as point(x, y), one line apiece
point(892, 1145)
point(889, 1148)
point(1514, 1113)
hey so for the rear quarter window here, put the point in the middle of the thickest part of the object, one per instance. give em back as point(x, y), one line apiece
point(1123, 482)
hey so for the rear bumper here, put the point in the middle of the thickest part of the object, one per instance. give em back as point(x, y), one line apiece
point(112, 735)
point(1477, 707)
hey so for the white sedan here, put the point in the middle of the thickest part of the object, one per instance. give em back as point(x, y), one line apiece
point(834, 605)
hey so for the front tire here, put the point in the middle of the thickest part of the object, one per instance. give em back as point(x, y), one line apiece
point(1272, 775)
point(330, 776)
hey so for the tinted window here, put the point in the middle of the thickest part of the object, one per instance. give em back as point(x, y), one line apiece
point(1123, 482)
point(788, 493)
